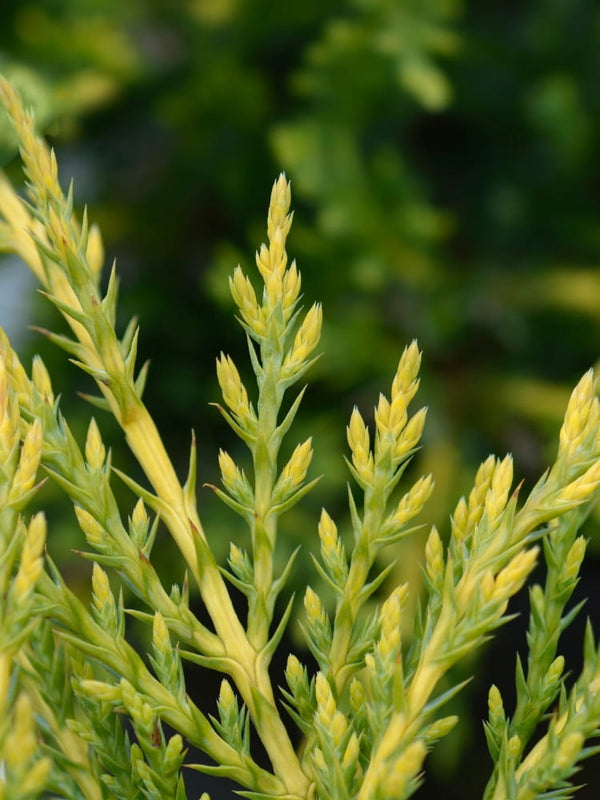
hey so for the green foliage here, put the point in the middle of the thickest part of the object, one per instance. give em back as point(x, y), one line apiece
point(375, 703)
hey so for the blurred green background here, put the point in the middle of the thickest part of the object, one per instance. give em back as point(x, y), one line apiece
point(445, 174)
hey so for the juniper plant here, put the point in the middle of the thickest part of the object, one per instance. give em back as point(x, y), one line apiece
point(374, 706)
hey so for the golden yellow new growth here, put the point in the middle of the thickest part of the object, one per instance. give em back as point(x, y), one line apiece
point(40, 166)
point(307, 337)
point(236, 556)
point(230, 473)
point(294, 670)
point(487, 586)
point(389, 772)
point(313, 607)
point(405, 381)
point(244, 297)
point(227, 699)
point(582, 414)
point(296, 468)
point(278, 218)
point(290, 290)
point(41, 380)
point(411, 434)
point(555, 670)
point(495, 704)
point(15, 233)
point(139, 516)
point(583, 487)
point(272, 261)
point(338, 727)
point(390, 418)
point(9, 415)
point(403, 770)
point(101, 587)
point(94, 254)
point(327, 532)
point(43, 170)
point(357, 694)
point(390, 619)
point(497, 494)
point(32, 562)
point(234, 391)
point(413, 501)
point(574, 558)
point(468, 514)
point(94, 532)
point(359, 441)
point(31, 453)
point(95, 452)
point(351, 753)
point(326, 705)
point(510, 579)
point(107, 692)
point(434, 556)
point(160, 633)
point(569, 749)
point(441, 727)
point(21, 744)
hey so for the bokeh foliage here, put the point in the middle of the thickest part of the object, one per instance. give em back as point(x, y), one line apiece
point(444, 159)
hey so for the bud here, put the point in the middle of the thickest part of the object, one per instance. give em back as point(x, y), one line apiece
point(583, 487)
point(295, 470)
point(94, 532)
point(495, 704)
point(95, 452)
point(294, 672)
point(326, 707)
point(95, 250)
point(459, 520)
point(357, 695)
point(441, 728)
point(572, 563)
point(307, 337)
point(434, 556)
point(413, 501)
point(160, 634)
point(244, 297)
point(227, 699)
point(314, 608)
point(32, 563)
point(41, 380)
point(290, 290)
point(405, 381)
point(496, 496)
point(139, 517)
point(31, 453)
point(328, 535)
point(514, 746)
point(278, 217)
point(103, 597)
point(230, 474)
point(555, 670)
point(234, 392)
point(577, 415)
point(411, 434)
point(358, 439)
point(391, 417)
